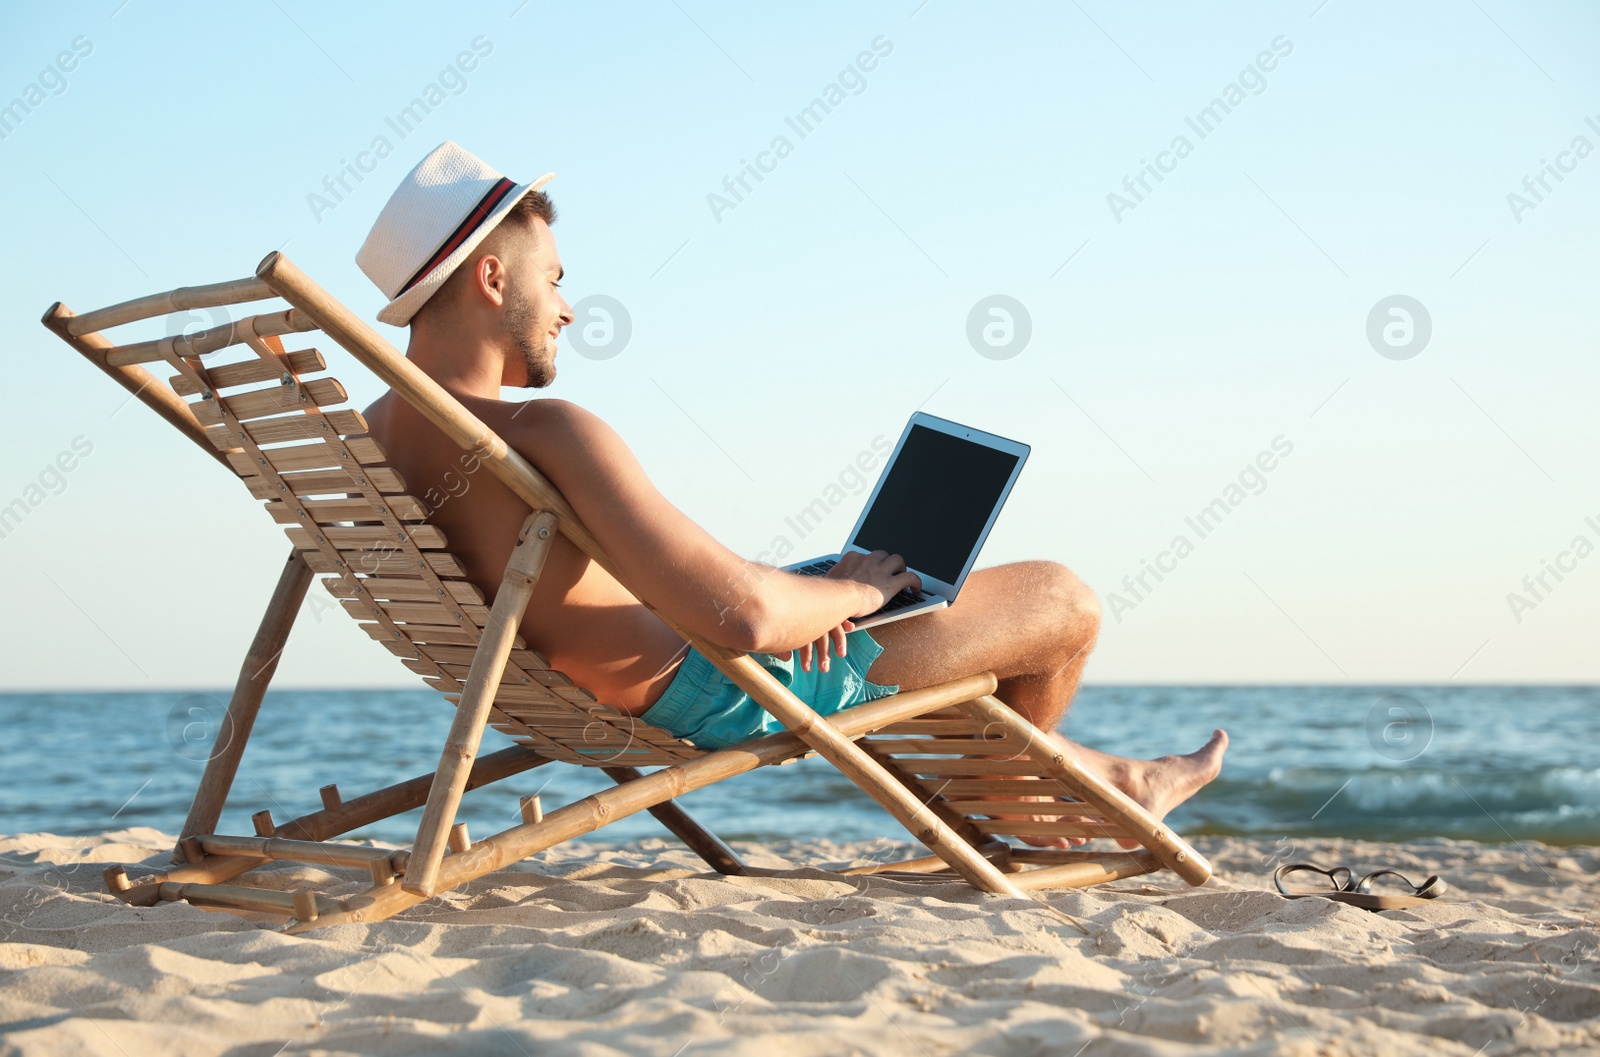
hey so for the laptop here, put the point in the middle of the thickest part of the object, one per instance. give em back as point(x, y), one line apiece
point(934, 505)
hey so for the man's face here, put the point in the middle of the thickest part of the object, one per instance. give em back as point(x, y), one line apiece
point(535, 311)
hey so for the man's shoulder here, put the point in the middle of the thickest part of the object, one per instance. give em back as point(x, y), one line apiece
point(522, 417)
point(546, 429)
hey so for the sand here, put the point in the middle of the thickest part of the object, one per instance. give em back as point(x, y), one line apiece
point(637, 951)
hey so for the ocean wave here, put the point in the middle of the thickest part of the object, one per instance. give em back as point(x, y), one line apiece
point(1557, 804)
point(1388, 789)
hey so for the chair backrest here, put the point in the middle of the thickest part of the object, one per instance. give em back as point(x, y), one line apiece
point(347, 512)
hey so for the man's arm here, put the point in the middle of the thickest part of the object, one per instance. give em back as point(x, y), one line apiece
point(664, 556)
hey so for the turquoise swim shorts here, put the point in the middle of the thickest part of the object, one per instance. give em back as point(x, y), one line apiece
point(702, 705)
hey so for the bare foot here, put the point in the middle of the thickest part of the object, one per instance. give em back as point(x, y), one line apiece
point(1162, 784)
point(1157, 785)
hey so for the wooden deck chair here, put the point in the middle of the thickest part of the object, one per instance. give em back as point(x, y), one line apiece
point(236, 392)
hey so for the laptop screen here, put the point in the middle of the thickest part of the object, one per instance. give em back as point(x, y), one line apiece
point(935, 502)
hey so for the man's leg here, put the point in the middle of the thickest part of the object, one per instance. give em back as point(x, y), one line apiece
point(1033, 624)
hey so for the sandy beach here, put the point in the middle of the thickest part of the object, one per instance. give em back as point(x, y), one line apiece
point(638, 951)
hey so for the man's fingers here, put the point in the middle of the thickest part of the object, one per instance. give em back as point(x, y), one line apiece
point(832, 643)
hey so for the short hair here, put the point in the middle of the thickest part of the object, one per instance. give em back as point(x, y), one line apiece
point(535, 205)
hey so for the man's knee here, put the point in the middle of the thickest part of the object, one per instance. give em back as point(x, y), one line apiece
point(1073, 604)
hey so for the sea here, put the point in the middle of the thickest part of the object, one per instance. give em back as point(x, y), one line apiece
point(1481, 763)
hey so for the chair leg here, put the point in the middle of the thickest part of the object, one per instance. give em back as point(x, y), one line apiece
point(477, 699)
point(234, 730)
point(700, 840)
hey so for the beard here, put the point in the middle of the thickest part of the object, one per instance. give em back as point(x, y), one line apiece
point(521, 321)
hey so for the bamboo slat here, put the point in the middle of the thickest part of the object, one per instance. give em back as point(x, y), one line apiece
point(546, 676)
point(399, 589)
point(247, 372)
point(514, 710)
point(554, 710)
point(452, 678)
point(528, 686)
point(275, 400)
point(635, 756)
point(296, 457)
point(936, 767)
point(380, 563)
point(1021, 827)
point(595, 737)
point(235, 291)
point(958, 787)
point(422, 612)
point(527, 660)
point(330, 511)
point(1015, 807)
point(287, 429)
point(369, 537)
point(328, 482)
point(544, 707)
point(202, 342)
point(594, 748)
point(929, 727)
point(419, 637)
point(902, 747)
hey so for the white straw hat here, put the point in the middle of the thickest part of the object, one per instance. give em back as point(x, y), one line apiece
point(433, 221)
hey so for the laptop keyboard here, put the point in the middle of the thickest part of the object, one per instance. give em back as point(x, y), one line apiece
point(906, 596)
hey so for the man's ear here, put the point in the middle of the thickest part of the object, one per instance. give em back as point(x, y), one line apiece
point(490, 278)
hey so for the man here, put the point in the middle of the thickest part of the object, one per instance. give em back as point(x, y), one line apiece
point(468, 261)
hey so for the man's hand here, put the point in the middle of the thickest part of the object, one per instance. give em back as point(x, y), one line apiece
point(883, 574)
point(819, 649)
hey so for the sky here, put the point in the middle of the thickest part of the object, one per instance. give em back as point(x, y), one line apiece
point(1325, 269)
